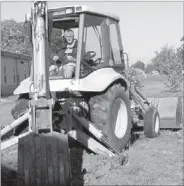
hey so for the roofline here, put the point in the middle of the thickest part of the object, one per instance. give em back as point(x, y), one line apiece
point(13, 54)
point(88, 9)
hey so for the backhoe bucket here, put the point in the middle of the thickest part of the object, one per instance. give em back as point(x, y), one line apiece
point(44, 159)
point(170, 110)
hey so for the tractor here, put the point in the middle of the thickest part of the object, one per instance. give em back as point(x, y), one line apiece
point(98, 107)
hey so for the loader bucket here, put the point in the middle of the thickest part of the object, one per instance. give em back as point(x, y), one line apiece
point(170, 110)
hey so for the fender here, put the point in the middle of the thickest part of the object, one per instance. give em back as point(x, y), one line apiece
point(100, 79)
point(97, 81)
point(23, 87)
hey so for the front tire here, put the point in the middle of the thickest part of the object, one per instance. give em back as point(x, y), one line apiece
point(152, 123)
point(110, 112)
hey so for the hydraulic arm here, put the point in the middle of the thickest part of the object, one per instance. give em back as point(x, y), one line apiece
point(41, 110)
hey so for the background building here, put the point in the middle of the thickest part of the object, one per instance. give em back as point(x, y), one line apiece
point(14, 68)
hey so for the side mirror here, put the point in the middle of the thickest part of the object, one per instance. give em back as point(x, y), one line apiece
point(126, 59)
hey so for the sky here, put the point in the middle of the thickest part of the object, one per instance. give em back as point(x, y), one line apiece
point(145, 26)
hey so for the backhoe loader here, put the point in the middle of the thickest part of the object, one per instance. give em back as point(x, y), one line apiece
point(98, 106)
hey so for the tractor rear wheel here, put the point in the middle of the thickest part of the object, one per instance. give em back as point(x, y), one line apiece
point(110, 112)
point(152, 123)
point(43, 160)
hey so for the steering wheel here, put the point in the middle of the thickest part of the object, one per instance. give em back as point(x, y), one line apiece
point(91, 54)
point(97, 61)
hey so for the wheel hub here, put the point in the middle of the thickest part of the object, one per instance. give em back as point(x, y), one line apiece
point(121, 123)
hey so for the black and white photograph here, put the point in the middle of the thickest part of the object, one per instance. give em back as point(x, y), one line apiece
point(92, 93)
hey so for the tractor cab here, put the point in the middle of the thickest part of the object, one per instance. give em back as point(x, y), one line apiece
point(97, 36)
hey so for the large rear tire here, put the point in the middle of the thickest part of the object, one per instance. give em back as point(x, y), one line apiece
point(152, 123)
point(43, 160)
point(110, 112)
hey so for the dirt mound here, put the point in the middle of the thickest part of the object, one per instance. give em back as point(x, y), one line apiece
point(94, 169)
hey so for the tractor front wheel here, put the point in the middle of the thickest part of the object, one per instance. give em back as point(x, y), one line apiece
point(152, 123)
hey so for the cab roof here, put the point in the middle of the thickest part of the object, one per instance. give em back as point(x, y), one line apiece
point(78, 9)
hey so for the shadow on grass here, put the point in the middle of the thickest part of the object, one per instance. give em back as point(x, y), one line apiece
point(168, 91)
point(8, 176)
point(171, 129)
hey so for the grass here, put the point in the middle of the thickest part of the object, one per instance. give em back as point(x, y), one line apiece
point(154, 87)
point(157, 161)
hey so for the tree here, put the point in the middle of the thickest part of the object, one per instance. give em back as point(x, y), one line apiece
point(180, 52)
point(169, 62)
point(139, 65)
point(14, 38)
point(149, 68)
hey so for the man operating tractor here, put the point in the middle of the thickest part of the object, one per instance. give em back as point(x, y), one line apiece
point(66, 58)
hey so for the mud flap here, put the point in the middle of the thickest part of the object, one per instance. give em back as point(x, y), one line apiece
point(43, 160)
